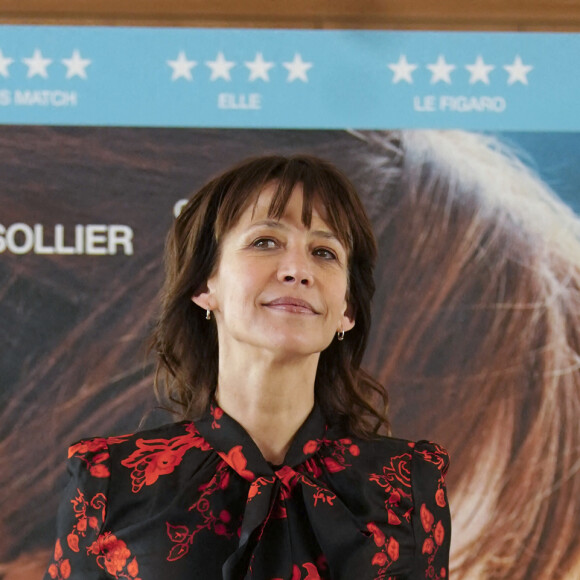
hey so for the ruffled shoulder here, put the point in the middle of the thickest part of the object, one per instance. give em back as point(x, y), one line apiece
point(92, 455)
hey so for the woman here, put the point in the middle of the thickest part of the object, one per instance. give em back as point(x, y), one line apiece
point(265, 318)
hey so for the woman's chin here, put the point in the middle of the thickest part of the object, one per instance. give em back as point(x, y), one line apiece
point(293, 345)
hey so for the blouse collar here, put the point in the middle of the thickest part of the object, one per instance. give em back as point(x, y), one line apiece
point(232, 442)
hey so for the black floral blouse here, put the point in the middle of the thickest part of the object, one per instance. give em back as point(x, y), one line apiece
point(198, 501)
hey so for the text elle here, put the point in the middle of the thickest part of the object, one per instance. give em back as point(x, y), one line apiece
point(240, 101)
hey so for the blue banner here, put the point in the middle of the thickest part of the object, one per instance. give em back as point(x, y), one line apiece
point(288, 78)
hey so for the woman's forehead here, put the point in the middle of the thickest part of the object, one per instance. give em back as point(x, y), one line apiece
point(268, 203)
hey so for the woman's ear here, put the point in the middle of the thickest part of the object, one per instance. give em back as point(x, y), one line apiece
point(348, 319)
point(203, 298)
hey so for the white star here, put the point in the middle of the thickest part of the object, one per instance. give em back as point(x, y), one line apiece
point(5, 62)
point(76, 65)
point(479, 71)
point(220, 67)
point(297, 69)
point(403, 70)
point(259, 68)
point(518, 71)
point(37, 65)
point(181, 67)
point(441, 71)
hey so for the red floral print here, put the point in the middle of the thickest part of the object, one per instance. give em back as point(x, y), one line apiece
point(91, 446)
point(60, 569)
point(436, 457)
point(388, 553)
point(310, 447)
point(378, 536)
point(236, 460)
point(221, 524)
point(428, 546)
point(433, 541)
point(312, 572)
point(396, 481)
point(335, 461)
point(393, 518)
point(95, 453)
point(90, 516)
point(427, 518)
point(393, 549)
point(290, 478)
point(156, 457)
point(257, 484)
point(398, 473)
point(217, 414)
point(113, 555)
point(332, 465)
point(439, 533)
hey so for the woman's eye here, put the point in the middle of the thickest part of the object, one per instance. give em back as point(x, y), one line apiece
point(264, 243)
point(325, 253)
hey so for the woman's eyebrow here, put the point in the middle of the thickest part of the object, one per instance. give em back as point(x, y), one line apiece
point(267, 223)
point(327, 234)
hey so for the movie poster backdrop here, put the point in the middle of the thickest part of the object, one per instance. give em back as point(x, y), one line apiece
point(465, 151)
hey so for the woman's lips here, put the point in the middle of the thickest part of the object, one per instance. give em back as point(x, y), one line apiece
point(289, 304)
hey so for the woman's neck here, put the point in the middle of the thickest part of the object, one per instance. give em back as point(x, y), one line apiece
point(270, 399)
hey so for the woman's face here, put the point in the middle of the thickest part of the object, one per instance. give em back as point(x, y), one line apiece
point(280, 287)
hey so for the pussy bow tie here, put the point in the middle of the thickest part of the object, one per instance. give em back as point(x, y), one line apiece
point(346, 547)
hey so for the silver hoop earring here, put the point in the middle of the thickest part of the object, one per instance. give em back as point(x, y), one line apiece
point(207, 314)
point(340, 335)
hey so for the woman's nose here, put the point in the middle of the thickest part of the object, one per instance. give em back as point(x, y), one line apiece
point(295, 268)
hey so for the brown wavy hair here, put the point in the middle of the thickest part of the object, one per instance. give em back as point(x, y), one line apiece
point(187, 344)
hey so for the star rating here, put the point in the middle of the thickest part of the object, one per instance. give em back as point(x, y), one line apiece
point(37, 65)
point(297, 69)
point(5, 62)
point(518, 71)
point(403, 70)
point(479, 71)
point(76, 65)
point(181, 67)
point(441, 71)
point(259, 68)
point(220, 67)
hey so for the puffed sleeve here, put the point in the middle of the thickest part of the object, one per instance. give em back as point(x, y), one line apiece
point(81, 513)
point(431, 518)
